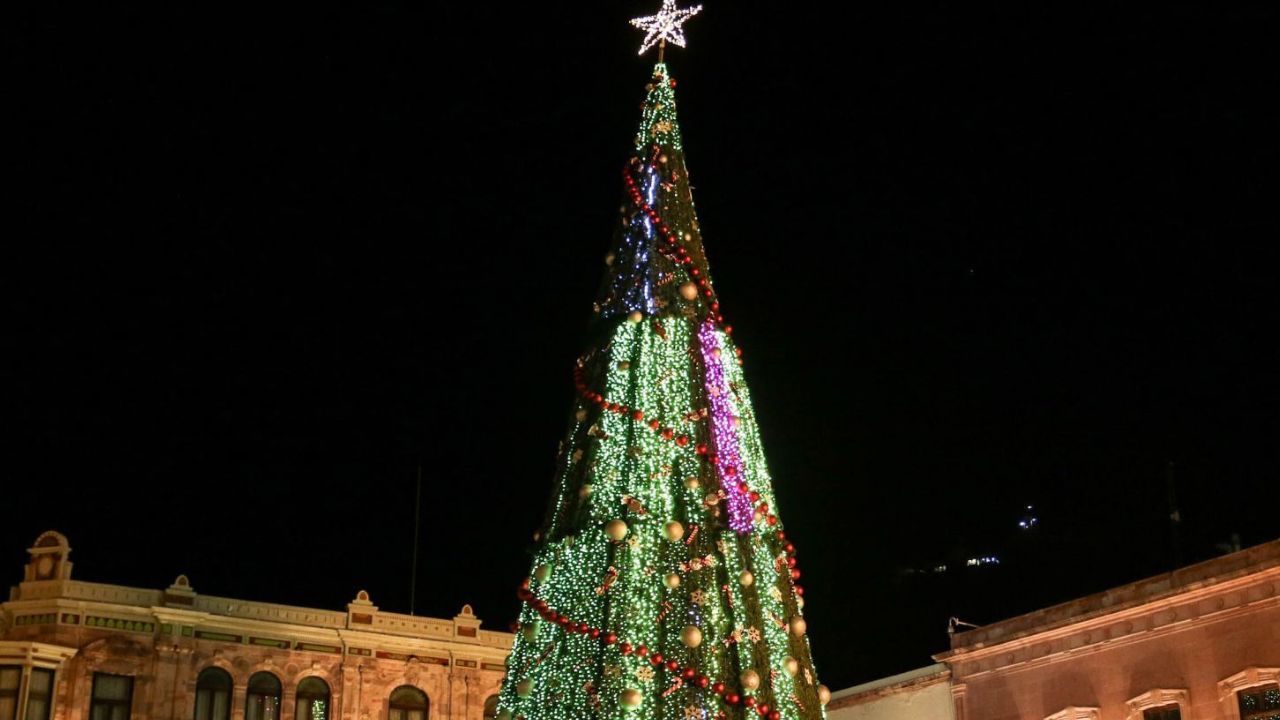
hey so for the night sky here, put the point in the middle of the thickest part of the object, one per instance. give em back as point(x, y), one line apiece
point(259, 267)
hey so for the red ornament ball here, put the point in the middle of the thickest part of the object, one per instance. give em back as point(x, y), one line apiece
point(718, 688)
point(611, 638)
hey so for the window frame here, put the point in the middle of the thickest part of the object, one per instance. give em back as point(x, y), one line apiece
point(48, 699)
point(300, 695)
point(250, 693)
point(1158, 698)
point(391, 703)
point(16, 692)
point(1250, 677)
point(208, 672)
point(95, 701)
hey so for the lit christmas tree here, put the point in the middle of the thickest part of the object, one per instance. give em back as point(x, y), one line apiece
point(663, 585)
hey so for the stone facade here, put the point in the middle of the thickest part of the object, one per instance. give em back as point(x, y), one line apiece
point(64, 633)
point(1182, 645)
point(923, 694)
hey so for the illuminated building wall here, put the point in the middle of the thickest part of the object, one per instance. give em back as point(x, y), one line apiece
point(73, 650)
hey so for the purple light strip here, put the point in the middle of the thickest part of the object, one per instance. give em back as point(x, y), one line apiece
point(723, 432)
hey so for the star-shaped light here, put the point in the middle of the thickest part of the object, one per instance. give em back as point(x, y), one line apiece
point(665, 25)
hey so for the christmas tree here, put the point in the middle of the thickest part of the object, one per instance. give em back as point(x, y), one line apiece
point(663, 585)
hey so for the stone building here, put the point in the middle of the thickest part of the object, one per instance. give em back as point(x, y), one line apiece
point(923, 694)
point(73, 650)
point(1199, 643)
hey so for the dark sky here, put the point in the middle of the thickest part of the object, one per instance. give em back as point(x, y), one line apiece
point(258, 267)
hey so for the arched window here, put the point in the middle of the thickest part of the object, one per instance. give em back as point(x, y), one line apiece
point(263, 702)
point(313, 700)
point(408, 703)
point(213, 694)
point(491, 707)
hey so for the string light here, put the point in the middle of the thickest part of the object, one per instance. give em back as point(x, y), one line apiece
point(665, 25)
point(625, 614)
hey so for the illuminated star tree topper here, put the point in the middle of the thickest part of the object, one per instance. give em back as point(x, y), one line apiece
point(664, 26)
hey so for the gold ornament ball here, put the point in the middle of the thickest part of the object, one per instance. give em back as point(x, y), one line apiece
point(672, 581)
point(750, 679)
point(757, 516)
point(581, 415)
point(585, 490)
point(798, 626)
point(624, 364)
point(542, 572)
point(824, 694)
point(799, 602)
point(635, 317)
point(746, 578)
point(689, 291)
point(791, 665)
point(616, 530)
point(537, 535)
point(674, 530)
point(608, 259)
point(524, 688)
point(631, 698)
point(692, 482)
point(712, 500)
point(691, 636)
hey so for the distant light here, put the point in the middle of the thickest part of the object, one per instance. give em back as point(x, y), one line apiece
point(940, 569)
point(984, 560)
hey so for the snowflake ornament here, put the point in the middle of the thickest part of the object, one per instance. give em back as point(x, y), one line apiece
point(665, 26)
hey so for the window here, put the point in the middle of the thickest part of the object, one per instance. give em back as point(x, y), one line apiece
point(1168, 712)
point(40, 694)
point(313, 700)
point(491, 707)
point(1260, 703)
point(263, 702)
point(112, 697)
point(213, 695)
point(408, 703)
point(10, 679)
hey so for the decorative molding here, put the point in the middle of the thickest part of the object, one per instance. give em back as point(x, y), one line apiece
point(1073, 712)
point(1247, 678)
point(1155, 698)
point(1196, 605)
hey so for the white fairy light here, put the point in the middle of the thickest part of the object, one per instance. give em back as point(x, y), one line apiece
point(665, 25)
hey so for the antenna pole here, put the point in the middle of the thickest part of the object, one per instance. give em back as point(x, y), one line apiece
point(417, 514)
point(1175, 519)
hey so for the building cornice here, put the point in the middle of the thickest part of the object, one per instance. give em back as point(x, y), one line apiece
point(1200, 603)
